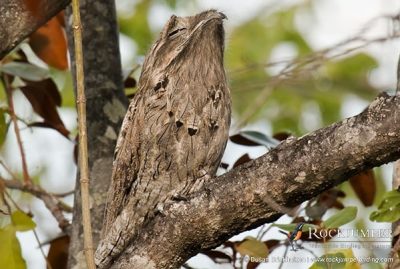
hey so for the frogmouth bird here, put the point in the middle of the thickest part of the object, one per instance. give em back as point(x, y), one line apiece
point(175, 131)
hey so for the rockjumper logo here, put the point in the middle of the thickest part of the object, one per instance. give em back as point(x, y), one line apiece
point(294, 236)
point(320, 234)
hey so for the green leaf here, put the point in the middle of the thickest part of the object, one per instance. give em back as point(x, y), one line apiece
point(342, 217)
point(252, 247)
point(247, 60)
point(340, 259)
point(10, 250)
point(171, 3)
point(389, 208)
point(25, 71)
point(3, 127)
point(137, 26)
point(351, 74)
point(22, 222)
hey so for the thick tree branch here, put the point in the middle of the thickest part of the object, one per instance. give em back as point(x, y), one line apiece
point(22, 17)
point(293, 172)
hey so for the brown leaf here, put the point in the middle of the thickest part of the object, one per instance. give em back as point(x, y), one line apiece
point(241, 140)
point(338, 205)
point(130, 82)
point(364, 186)
point(224, 165)
point(330, 197)
point(252, 247)
point(244, 159)
point(34, 8)
point(272, 244)
point(61, 18)
point(252, 265)
point(325, 201)
point(44, 98)
point(58, 252)
point(76, 149)
point(281, 136)
point(50, 44)
point(217, 256)
point(229, 244)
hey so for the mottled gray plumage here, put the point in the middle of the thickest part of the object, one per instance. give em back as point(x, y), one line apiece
point(175, 131)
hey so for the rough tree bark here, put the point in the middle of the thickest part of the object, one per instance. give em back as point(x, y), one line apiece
point(19, 18)
point(106, 107)
point(293, 172)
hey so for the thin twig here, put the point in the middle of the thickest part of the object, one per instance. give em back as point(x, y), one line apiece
point(41, 249)
point(13, 202)
point(3, 198)
point(63, 194)
point(306, 65)
point(83, 148)
point(284, 257)
point(8, 170)
point(8, 89)
point(261, 235)
point(35, 190)
point(53, 204)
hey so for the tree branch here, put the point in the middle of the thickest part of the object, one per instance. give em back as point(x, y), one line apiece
point(293, 172)
point(54, 205)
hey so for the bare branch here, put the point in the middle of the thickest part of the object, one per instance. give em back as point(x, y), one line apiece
point(83, 144)
point(293, 172)
point(304, 66)
point(52, 203)
point(9, 90)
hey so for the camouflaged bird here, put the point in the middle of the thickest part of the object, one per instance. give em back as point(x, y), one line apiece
point(175, 131)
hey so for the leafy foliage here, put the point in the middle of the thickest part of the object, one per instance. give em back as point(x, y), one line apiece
point(137, 26)
point(49, 43)
point(343, 217)
point(25, 70)
point(364, 186)
point(252, 247)
point(10, 249)
point(389, 208)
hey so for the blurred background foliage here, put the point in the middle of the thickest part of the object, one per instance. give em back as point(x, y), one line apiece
point(259, 88)
point(249, 49)
point(277, 78)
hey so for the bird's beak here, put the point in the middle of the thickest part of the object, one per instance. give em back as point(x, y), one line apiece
point(223, 16)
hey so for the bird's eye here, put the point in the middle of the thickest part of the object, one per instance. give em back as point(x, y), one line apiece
point(175, 32)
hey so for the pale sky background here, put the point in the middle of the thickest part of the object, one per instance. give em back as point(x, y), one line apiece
point(333, 21)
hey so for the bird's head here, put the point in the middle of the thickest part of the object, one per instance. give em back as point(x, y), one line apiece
point(188, 39)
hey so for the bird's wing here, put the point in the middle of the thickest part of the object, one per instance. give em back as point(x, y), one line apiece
point(125, 164)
